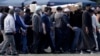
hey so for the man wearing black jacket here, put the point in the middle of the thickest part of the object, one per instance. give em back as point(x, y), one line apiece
point(89, 42)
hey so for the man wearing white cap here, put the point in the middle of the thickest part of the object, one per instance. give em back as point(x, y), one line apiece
point(9, 29)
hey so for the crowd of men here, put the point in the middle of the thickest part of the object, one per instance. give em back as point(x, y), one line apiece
point(64, 31)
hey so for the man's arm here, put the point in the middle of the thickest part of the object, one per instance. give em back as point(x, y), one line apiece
point(18, 21)
point(44, 29)
point(43, 25)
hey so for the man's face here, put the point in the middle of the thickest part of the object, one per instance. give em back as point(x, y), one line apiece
point(98, 15)
point(49, 12)
point(88, 7)
point(22, 13)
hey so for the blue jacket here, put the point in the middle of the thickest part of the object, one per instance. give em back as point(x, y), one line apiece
point(46, 21)
point(18, 23)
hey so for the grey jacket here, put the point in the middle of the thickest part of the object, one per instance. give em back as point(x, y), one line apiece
point(36, 23)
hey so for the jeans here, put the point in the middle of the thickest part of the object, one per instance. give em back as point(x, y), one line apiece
point(18, 41)
point(52, 36)
point(76, 38)
point(66, 43)
point(98, 39)
point(58, 39)
point(24, 44)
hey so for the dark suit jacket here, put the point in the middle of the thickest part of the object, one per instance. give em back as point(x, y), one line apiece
point(37, 23)
point(87, 20)
point(88, 39)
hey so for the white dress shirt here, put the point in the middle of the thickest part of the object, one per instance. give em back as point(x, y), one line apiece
point(95, 23)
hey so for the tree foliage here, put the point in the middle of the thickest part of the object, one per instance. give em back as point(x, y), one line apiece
point(98, 1)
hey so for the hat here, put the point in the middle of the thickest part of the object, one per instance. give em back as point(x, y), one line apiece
point(11, 7)
point(27, 11)
point(66, 10)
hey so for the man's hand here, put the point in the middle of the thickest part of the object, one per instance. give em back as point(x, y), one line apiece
point(68, 25)
point(44, 32)
point(86, 29)
point(30, 26)
point(74, 28)
point(23, 33)
point(44, 28)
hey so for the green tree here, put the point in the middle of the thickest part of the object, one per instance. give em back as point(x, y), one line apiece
point(98, 1)
point(94, 0)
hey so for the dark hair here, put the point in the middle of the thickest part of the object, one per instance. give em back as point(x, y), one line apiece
point(59, 9)
point(98, 12)
point(1, 9)
point(46, 9)
point(27, 11)
point(6, 9)
point(34, 2)
point(91, 11)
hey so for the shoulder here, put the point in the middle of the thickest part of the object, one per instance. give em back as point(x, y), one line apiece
point(35, 16)
point(44, 16)
point(94, 16)
point(85, 13)
point(26, 15)
point(10, 17)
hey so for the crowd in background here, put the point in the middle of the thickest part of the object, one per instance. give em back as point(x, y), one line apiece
point(64, 31)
